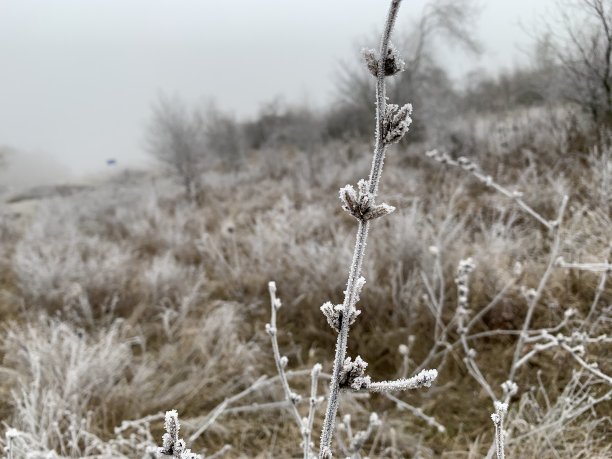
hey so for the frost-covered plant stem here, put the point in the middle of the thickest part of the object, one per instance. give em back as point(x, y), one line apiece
point(281, 362)
point(360, 245)
point(538, 293)
point(498, 421)
point(314, 382)
point(474, 169)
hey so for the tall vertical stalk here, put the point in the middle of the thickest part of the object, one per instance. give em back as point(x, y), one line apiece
point(351, 292)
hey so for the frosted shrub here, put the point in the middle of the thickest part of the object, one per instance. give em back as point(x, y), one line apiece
point(60, 375)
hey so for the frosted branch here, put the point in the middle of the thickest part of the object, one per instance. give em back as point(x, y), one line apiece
point(281, 363)
point(471, 167)
point(361, 437)
point(424, 379)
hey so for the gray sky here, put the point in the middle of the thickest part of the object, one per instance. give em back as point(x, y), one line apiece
point(78, 77)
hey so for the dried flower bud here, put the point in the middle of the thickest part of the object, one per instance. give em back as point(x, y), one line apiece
point(396, 122)
point(353, 375)
point(510, 388)
point(378, 211)
point(371, 60)
point(333, 314)
point(360, 205)
point(393, 62)
point(172, 445)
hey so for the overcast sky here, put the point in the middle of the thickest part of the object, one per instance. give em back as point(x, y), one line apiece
point(77, 77)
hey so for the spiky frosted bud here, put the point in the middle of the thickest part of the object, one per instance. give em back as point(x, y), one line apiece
point(353, 375)
point(509, 388)
point(396, 122)
point(333, 314)
point(393, 62)
point(378, 211)
point(172, 425)
point(360, 205)
point(172, 445)
point(371, 60)
point(348, 198)
point(403, 349)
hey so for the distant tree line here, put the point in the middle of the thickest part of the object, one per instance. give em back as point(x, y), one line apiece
point(571, 63)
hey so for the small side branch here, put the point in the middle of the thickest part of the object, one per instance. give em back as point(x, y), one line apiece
point(281, 362)
point(474, 169)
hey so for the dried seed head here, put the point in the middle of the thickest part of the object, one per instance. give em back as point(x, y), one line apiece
point(353, 375)
point(333, 314)
point(396, 122)
point(359, 205)
point(393, 62)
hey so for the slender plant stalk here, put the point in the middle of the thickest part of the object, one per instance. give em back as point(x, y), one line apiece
point(536, 297)
point(360, 245)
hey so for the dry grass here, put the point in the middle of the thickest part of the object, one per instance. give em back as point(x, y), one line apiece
point(125, 300)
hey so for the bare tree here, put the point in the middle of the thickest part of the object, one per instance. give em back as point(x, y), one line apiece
point(584, 50)
point(441, 20)
point(224, 137)
point(176, 138)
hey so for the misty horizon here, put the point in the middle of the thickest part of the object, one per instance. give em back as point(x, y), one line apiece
point(79, 79)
